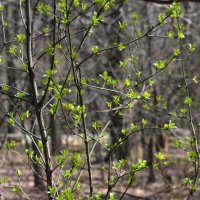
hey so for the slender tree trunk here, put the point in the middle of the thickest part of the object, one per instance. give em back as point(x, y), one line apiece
point(151, 177)
point(37, 106)
point(38, 182)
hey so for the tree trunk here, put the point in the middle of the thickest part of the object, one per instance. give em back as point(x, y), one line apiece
point(39, 172)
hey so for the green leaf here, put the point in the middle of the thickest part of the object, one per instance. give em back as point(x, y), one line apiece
point(121, 47)
point(95, 20)
point(12, 50)
point(144, 122)
point(127, 83)
point(170, 34)
point(105, 75)
point(174, 114)
point(2, 8)
point(45, 30)
point(133, 127)
point(49, 50)
point(152, 82)
point(50, 73)
point(134, 168)
point(116, 99)
point(15, 189)
point(138, 33)
point(112, 197)
point(178, 143)
point(52, 190)
point(123, 64)
point(187, 181)
point(158, 98)
point(133, 59)
point(167, 163)
point(177, 52)
point(98, 196)
point(96, 125)
point(62, 158)
point(75, 160)
point(142, 164)
point(138, 73)
point(160, 156)
point(130, 179)
point(10, 145)
point(25, 115)
point(19, 95)
point(171, 125)
point(66, 194)
point(4, 88)
point(174, 10)
point(134, 17)
point(11, 121)
point(20, 38)
point(160, 64)
point(83, 7)
point(4, 180)
point(156, 166)
point(146, 95)
point(192, 47)
point(183, 110)
point(160, 18)
point(29, 153)
point(188, 101)
point(123, 162)
point(44, 8)
point(95, 49)
point(67, 174)
point(1, 60)
point(125, 131)
point(191, 155)
point(122, 25)
point(40, 145)
point(18, 173)
point(116, 166)
point(76, 3)
point(180, 34)
point(194, 80)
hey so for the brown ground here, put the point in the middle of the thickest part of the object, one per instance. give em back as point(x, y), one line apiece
point(141, 190)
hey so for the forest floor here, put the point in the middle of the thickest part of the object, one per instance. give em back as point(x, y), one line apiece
point(141, 190)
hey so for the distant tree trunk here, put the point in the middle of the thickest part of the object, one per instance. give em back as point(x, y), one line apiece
point(55, 137)
point(150, 158)
point(116, 121)
point(117, 124)
point(11, 29)
point(144, 146)
point(97, 150)
point(151, 177)
point(153, 135)
point(156, 140)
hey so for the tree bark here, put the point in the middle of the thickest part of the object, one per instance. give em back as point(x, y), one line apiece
point(37, 107)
